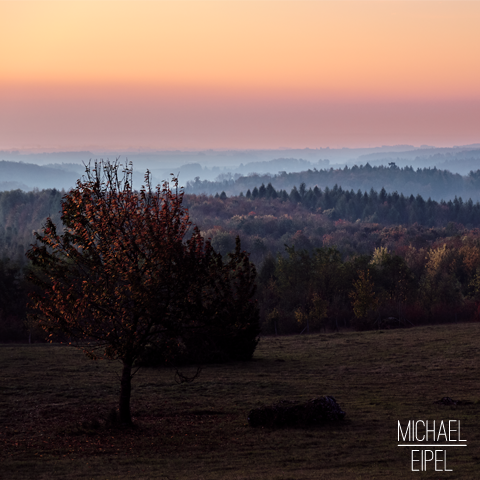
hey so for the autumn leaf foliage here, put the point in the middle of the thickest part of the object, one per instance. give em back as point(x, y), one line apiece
point(126, 271)
point(363, 296)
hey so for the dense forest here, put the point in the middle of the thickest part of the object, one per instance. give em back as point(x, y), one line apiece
point(321, 289)
point(326, 258)
point(427, 182)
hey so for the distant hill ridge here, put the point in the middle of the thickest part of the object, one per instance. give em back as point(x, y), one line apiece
point(29, 175)
point(428, 182)
point(27, 170)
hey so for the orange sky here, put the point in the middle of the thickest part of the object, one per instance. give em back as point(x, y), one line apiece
point(241, 74)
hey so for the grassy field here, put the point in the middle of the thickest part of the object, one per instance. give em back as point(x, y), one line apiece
point(54, 406)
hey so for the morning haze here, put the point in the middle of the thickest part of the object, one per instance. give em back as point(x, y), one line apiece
point(259, 220)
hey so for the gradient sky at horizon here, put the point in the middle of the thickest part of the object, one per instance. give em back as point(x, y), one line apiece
point(179, 74)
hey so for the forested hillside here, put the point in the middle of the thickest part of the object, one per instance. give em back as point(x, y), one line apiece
point(26, 176)
point(326, 257)
point(427, 182)
point(22, 213)
point(265, 219)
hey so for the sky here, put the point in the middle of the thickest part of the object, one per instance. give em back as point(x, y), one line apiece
point(249, 74)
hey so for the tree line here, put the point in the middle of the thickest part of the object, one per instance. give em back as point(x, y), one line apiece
point(21, 213)
point(377, 207)
point(267, 220)
point(320, 290)
point(433, 183)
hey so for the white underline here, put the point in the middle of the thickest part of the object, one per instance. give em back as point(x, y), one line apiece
point(429, 445)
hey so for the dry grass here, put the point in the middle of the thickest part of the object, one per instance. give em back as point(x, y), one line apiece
point(54, 404)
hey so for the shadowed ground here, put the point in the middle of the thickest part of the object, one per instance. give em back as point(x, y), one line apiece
point(55, 404)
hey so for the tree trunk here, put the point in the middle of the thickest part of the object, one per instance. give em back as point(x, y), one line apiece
point(125, 393)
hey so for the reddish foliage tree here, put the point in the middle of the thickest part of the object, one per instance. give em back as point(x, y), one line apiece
point(125, 272)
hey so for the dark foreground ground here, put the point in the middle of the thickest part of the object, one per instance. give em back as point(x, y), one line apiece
point(54, 406)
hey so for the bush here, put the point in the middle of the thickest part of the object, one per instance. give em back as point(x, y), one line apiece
point(227, 322)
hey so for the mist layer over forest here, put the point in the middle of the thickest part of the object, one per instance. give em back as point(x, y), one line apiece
point(27, 170)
